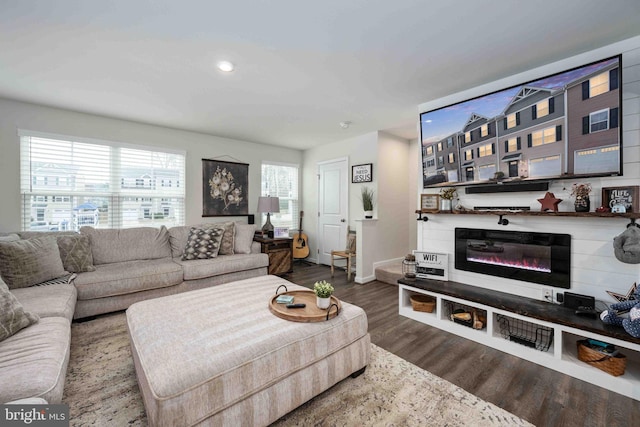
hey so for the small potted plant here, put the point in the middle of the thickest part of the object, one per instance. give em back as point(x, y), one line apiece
point(323, 291)
point(367, 202)
point(446, 197)
point(581, 192)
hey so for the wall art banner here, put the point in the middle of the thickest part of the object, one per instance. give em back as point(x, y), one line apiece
point(225, 187)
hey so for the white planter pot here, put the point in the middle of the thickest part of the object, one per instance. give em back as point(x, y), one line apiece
point(445, 205)
point(368, 214)
point(323, 303)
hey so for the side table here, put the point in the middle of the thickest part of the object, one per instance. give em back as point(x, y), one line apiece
point(280, 253)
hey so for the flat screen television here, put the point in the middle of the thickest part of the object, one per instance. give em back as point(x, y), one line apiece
point(563, 126)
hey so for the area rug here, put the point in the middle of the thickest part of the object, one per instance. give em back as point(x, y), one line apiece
point(102, 389)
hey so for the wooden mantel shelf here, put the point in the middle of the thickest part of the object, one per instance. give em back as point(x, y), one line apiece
point(629, 215)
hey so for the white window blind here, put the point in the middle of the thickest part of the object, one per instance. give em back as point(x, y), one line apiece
point(281, 180)
point(68, 182)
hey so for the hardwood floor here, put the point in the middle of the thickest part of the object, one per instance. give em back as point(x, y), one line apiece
point(537, 394)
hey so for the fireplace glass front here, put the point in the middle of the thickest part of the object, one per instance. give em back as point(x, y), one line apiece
point(543, 258)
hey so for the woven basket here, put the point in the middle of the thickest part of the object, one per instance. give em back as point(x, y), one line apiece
point(423, 303)
point(612, 365)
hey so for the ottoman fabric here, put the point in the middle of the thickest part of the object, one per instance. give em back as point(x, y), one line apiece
point(202, 352)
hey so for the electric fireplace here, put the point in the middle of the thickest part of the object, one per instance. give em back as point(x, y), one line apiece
point(543, 258)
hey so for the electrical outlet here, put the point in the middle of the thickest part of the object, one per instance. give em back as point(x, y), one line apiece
point(547, 294)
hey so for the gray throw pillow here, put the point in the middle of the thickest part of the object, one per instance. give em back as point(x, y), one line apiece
point(226, 246)
point(203, 243)
point(75, 252)
point(244, 238)
point(12, 315)
point(29, 262)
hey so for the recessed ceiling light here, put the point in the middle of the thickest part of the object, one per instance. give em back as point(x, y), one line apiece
point(226, 66)
point(345, 124)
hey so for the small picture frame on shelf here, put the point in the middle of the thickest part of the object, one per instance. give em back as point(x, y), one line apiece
point(280, 232)
point(621, 199)
point(429, 203)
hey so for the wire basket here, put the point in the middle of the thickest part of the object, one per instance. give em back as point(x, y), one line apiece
point(465, 315)
point(612, 365)
point(525, 333)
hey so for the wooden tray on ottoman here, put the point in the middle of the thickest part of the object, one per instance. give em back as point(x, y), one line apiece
point(311, 313)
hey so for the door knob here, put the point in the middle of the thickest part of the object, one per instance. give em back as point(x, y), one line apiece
point(342, 220)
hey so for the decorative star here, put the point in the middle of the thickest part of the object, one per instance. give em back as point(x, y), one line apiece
point(549, 202)
point(629, 296)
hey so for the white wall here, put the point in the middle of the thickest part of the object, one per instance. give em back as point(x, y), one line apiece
point(18, 115)
point(389, 237)
point(594, 268)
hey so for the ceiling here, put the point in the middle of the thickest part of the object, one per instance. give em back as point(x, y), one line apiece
point(302, 67)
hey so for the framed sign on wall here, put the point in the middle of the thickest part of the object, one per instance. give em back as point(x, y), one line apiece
point(429, 202)
point(362, 173)
point(617, 198)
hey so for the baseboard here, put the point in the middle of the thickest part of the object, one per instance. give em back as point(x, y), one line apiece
point(386, 262)
point(362, 280)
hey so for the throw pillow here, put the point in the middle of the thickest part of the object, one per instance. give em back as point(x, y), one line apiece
point(203, 243)
point(75, 252)
point(244, 238)
point(29, 262)
point(9, 237)
point(226, 246)
point(12, 315)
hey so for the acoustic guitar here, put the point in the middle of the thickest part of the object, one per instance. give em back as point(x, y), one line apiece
point(300, 242)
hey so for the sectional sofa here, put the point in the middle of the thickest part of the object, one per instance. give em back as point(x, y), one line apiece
point(51, 278)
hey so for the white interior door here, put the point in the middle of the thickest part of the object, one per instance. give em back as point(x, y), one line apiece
point(333, 207)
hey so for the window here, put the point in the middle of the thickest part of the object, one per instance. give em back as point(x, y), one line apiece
point(511, 145)
point(599, 84)
point(484, 130)
point(98, 183)
point(452, 158)
point(468, 155)
point(545, 136)
point(431, 163)
point(542, 109)
point(450, 141)
point(281, 180)
point(511, 121)
point(599, 120)
point(467, 136)
point(439, 146)
point(485, 150)
point(440, 160)
point(429, 150)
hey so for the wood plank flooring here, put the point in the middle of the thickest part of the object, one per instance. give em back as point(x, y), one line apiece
point(540, 395)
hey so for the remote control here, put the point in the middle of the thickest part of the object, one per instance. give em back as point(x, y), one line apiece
point(296, 305)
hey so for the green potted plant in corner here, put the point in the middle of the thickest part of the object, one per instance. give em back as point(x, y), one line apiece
point(367, 202)
point(323, 291)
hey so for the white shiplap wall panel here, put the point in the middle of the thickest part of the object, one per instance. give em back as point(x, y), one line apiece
point(594, 267)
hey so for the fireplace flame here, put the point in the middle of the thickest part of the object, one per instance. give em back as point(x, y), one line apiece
point(534, 264)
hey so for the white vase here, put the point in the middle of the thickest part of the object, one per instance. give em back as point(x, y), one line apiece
point(368, 214)
point(323, 303)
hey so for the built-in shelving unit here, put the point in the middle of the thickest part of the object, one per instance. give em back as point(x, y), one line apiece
point(537, 331)
point(629, 215)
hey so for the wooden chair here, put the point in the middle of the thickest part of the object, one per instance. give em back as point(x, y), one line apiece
point(349, 253)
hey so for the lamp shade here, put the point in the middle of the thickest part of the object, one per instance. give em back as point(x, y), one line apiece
point(268, 204)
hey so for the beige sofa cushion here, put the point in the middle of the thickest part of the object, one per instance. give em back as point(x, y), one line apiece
point(29, 262)
point(117, 245)
point(56, 300)
point(33, 362)
point(199, 269)
point(244, 238)
point(203, 243)
point(13, 316)
point(75, 252)
point(127, 277)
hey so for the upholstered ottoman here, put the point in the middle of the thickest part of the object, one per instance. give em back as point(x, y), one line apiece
point(218, 356)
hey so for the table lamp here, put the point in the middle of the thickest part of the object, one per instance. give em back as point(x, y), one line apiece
point(268, 205)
